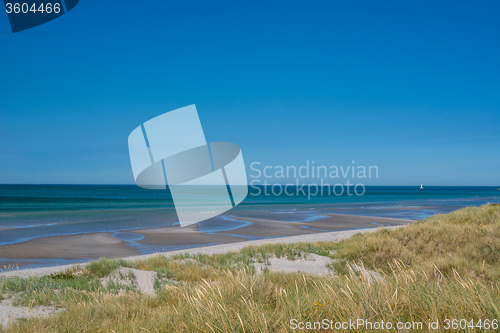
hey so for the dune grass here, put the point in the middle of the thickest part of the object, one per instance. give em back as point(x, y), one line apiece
point(466, 241)
point(446, 267)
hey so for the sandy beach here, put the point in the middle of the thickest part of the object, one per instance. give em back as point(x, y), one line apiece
point(213, 249)
point(84, 246)
point(178, 236)
point(261, 228)
point(313, 264)
point(103, 245)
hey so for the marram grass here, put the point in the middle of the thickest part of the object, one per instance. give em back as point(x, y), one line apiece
point(445, 267)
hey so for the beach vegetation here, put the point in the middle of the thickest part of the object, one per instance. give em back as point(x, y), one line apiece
point(443, 268)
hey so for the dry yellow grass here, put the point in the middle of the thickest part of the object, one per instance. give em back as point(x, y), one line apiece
point(467, 241)
point(443, 268)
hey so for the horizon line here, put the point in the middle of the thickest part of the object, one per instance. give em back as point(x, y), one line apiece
point(133, 184)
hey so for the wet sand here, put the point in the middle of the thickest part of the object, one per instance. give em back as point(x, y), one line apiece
point(84, 246)
point(100, 245)
point(214, 249)
point(272, 228)
point(177, 236)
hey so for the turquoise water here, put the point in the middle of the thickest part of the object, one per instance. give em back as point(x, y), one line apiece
point(32, 211)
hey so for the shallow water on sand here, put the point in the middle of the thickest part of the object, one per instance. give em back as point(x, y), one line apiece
point(33, 211)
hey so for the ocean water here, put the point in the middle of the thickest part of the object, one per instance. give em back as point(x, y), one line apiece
point(32, 211)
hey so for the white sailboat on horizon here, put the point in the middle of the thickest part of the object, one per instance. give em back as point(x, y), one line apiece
point(421, 186)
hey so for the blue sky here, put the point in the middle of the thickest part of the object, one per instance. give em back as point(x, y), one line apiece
point(412, 88)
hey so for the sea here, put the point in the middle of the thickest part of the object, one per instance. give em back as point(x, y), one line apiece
point(33, 211)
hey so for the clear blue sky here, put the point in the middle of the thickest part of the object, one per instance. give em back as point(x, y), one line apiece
point(412, 87)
